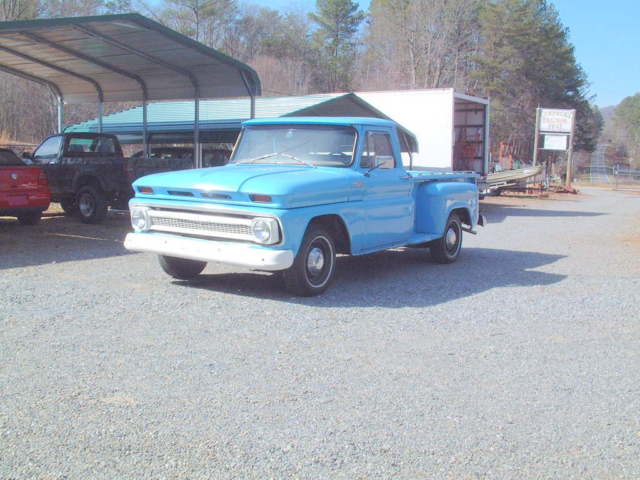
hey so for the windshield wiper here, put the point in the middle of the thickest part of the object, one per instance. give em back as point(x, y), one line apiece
point(283, 154)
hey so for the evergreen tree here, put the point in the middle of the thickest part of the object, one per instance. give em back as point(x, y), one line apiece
point(626, 119)
point(337, 23)
point(526, 61)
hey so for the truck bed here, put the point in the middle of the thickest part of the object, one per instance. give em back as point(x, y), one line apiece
point(439, 176)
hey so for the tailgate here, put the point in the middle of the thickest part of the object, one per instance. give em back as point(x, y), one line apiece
point(19, 179)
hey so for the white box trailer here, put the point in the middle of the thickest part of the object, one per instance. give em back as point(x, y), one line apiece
point(452, 128)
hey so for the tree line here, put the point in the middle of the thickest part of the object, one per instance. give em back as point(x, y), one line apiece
point(516, 52)
point(622, 132)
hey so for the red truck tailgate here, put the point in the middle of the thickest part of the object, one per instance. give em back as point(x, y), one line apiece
point(22, 187)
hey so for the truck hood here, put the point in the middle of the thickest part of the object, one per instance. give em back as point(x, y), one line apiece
point(289, 186)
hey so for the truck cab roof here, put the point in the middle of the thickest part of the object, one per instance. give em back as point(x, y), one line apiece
point(408, 142)
point(347, 121)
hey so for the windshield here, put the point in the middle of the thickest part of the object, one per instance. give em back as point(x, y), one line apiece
point(9, 159)
point(312, 145)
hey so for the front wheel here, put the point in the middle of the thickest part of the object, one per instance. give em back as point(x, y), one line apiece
point(447, 248)
point(314, 266)
point(181, 268)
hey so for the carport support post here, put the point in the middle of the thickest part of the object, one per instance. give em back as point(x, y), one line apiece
point(251, 93)
point(196, 132)
point(145, 143)
point(100, 114)
point(60, 114)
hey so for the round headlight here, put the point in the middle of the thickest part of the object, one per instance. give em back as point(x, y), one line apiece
point(261, 230)
point(139, 219)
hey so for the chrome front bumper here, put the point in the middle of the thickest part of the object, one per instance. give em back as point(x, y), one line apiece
point(232, 253)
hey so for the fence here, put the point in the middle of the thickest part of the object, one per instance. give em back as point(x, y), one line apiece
point(626, 179)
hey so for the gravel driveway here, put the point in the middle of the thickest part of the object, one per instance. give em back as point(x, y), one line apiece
point(522, 360)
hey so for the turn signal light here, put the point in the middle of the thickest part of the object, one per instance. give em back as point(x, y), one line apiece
point(145, 189)
point(260, 198)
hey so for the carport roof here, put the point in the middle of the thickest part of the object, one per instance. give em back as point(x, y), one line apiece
point(119, 58)
point(228, 114)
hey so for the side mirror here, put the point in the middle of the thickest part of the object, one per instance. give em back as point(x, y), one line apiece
point(26, 155)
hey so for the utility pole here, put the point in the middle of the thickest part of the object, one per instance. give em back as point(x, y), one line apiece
point(535, 138)
point(570, 153)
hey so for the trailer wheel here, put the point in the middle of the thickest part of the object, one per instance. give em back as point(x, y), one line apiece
point(447, 248)
point(92, 204)
point(314, 265)
point(181, 268)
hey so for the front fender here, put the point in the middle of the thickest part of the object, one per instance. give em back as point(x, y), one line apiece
point(295, 222)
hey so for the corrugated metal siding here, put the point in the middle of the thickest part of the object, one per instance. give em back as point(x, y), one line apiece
point(172, 115)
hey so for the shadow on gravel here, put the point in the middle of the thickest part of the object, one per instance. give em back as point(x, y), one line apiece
point(498, 213)
point(399, 278)
point(60, 239)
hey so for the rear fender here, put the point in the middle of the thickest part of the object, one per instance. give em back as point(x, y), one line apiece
point(435, 201)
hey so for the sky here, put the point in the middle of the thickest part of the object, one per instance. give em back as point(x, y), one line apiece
point(605, 34)
point(606, 37)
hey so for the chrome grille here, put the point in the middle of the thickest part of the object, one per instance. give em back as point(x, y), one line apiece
point(200, 225)
point(188, 223)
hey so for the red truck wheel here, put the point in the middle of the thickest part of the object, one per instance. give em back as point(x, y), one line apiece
point(30, 218)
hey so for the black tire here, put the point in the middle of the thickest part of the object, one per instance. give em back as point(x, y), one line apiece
point(447, 249)
point(181, 268)
point(69, 206)
point(92, 204)
point(315, 264)
point(32, 218)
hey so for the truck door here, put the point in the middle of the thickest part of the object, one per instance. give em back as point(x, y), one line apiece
point(388, 203)
point(48, 155)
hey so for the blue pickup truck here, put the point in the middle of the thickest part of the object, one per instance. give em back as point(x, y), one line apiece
point(297, 192)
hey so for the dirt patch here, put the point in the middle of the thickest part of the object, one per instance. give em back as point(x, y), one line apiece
point(632, 240)
point(523, 201)
point(120, 400)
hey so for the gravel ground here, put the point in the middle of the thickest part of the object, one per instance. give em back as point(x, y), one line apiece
point(522, 360)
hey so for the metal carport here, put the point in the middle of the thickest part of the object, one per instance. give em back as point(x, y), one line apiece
point(222, 119)
point(121, 58)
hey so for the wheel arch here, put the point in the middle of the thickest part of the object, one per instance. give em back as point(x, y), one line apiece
point(335, 224)
point(87, 179)
point(463, 214)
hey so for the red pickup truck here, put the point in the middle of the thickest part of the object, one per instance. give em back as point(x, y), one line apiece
point(24, 192)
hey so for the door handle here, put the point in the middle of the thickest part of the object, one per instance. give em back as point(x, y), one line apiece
point(405, 177)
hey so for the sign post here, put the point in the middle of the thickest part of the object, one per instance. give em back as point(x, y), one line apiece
point(557, 129)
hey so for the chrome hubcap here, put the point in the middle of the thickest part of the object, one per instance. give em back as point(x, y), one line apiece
point(86, 205)
point(451, 238)
point(315, 261)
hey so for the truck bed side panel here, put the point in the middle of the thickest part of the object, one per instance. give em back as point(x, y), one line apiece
point(436, 200)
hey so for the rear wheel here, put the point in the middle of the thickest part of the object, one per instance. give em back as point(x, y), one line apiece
point(31, 218)
point(92, 204)
point(181, 268)
point(447, 249)
point(314, 266)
